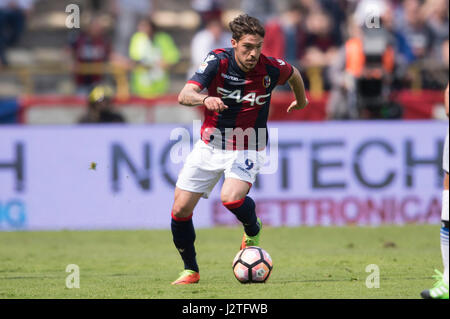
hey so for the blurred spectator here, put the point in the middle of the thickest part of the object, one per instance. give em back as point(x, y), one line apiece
point(362, 75)
point(212, 37)
point(340, 104)
point(128, 13)
point(320, 47)
point(413, 27)
point(403, 51)
point(285, 36)
point(208, 10)
point(337, 12)
point(100, 107)
point(13, 15)
point(435, 12)
point(90, 46)
point(153, 53)
point(425, 30)
point(263, 10)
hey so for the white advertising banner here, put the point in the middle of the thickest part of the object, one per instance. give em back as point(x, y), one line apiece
point(123, 177)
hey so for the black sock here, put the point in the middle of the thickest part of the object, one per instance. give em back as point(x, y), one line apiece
point(183, 237)
point(244, 210)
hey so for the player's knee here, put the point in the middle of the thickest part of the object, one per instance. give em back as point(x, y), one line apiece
point(181, 211)
point(232, 192)
point(230, 197)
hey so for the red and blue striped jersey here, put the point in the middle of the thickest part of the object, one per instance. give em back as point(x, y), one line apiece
point(247, 95)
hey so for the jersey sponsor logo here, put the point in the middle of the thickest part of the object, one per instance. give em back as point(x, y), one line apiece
point(266, 81)
point(281, 62)
point(235, 80)
point(236, 95)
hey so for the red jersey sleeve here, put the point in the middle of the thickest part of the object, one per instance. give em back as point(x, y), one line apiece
point(206, 71)
point(283, 67)
point(286, 71)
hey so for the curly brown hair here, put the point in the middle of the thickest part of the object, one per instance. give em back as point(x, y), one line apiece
point(245, 24)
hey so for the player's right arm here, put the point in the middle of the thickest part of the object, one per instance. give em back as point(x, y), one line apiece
point(190, 96)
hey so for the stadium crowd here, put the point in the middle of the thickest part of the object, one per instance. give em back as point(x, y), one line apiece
point(356, 50)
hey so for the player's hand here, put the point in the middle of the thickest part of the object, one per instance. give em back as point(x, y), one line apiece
point(215, 104)
point(295, 106)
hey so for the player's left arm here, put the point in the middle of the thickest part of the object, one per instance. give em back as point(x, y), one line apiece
point(298, 87)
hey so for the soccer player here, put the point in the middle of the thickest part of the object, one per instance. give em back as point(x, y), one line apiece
point(240, 81)
point(440, 289)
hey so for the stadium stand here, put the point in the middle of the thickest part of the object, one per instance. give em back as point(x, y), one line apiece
point(40, 78)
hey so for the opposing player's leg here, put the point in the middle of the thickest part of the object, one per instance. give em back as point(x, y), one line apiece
point(183, 233)
point(444, 228)
point(440, 289)
point(234, 197)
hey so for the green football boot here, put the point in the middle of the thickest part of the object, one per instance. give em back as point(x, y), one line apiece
point(252, 240)
point(439, 290)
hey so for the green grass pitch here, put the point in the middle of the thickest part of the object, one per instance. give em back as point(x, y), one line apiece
point(309, 262)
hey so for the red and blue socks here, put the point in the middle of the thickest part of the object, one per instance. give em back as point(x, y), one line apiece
point(183, 233)
point(244, 209)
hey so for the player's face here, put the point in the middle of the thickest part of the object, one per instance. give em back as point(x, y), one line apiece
point(247, 51)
